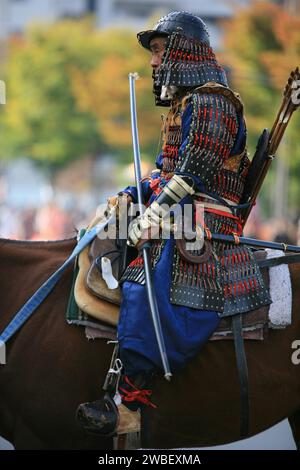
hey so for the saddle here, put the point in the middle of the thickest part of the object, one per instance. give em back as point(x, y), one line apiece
point(88, 302)
point(105, 255)
point(101, 265)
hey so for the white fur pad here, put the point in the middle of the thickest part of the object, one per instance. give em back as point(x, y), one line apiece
point(280, 311)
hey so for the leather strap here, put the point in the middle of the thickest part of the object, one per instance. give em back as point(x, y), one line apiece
point(287, 259)
point(212, 199)
point(242, 368)
point(209, 202)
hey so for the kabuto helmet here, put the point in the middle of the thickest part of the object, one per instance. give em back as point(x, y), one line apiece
point(188, 60)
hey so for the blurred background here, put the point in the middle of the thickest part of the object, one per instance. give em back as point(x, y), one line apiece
point(65, 128)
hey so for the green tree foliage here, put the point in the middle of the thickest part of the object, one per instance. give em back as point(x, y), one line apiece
point(42, 119)
point(68, 94)
point(262, 46)
point(104, 91)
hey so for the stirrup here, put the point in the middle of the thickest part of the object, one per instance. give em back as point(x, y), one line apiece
point(100, 417)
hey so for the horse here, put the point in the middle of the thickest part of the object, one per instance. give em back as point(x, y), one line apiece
point(51, 368)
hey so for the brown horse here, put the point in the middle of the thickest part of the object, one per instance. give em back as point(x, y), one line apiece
point(51, 368)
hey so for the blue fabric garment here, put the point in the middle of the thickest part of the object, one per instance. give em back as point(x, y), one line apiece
point(185, 329)
point(132, 191)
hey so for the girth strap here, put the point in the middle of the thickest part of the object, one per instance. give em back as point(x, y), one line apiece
point(243, 375)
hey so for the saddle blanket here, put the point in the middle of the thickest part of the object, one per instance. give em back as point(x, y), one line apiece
point(280, 310)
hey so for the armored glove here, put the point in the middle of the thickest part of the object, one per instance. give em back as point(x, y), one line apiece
point(113, 200)
point(147, 226)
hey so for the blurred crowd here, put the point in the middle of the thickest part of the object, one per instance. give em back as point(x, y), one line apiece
point(283, 230)
point(50, 222)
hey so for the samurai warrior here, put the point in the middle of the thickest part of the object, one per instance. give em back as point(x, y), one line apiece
point(203, 162)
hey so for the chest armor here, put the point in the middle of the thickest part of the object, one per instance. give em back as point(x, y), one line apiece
point(230, 281)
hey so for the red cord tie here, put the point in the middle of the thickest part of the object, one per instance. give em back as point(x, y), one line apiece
point(137, 394)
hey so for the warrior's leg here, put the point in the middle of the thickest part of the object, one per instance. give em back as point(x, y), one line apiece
point(104, 416)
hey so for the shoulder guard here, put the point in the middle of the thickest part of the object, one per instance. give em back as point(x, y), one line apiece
point(212, 123)
point(216, 88)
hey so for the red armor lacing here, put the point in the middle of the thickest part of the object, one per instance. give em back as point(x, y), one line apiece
point(238, 220)
point(136, 394)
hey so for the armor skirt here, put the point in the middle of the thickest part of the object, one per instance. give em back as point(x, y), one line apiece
point(185, 329)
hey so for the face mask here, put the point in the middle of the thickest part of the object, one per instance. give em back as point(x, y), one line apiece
point(168, 92)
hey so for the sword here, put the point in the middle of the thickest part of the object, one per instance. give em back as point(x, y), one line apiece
point(146, 247)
